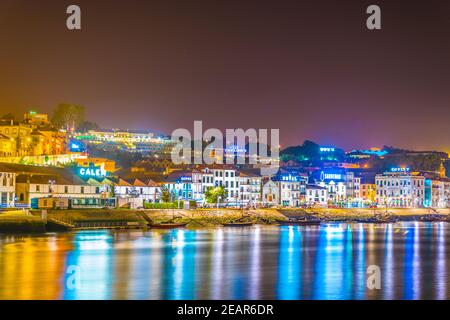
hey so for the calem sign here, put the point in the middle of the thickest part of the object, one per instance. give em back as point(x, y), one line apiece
point(95, 172)
point(400, 169)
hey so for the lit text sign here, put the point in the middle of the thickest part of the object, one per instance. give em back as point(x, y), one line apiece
point(330, 176)
point(92, 172)
point(235, 149)
point(327, 149)
point(289, 178)
point(186, 179)
point(333, 176)
point(400, 169)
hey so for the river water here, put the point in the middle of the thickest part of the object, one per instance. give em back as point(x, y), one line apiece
point(261, 262)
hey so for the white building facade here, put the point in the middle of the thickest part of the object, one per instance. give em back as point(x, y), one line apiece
point(7, 189)
point(316, 195)
point(400, 189)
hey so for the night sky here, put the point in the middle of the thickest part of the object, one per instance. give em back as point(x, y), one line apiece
point(310, 68)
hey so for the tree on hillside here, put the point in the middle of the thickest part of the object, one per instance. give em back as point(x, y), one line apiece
point(212, 194)
point(68, 116)
point(85, 126)
point(8, 117)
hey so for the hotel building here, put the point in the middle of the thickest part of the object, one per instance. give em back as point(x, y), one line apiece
point(400, 188)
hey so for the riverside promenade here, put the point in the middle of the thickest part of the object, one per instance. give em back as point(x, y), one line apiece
point(25, 221)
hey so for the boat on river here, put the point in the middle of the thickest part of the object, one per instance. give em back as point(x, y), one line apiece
point(433, 218)
point(299, 222)
point(238, 224)
point(378, 219)
point(167, 225)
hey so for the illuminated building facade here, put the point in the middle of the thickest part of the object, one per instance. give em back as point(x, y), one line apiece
point(27, 140)
point(36, 119)
point(250, 187)
point(142, 142)
point(400, 188)
point(285, 189)
point(107, 165)
point(31, 187)
point(7, 188)
point(145, 190)
point(316, 195)
point(7, 146)
point(368, 190)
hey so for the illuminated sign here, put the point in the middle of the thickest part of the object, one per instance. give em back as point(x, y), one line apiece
point(92, 172)
point(76, 146)
point(289, 178)
point(400, 169)
point(235, 149)
point(186, 179)
point(330, 176)
point(327, 149)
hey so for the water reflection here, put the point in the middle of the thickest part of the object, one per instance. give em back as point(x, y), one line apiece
point(326, 262)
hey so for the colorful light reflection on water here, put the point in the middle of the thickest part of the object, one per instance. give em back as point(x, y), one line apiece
point(317, 262)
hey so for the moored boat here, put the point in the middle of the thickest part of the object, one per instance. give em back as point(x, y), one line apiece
point(238, 224)
point(299, 222)
point(378, 220)
point(168, 225)
point(433, 218)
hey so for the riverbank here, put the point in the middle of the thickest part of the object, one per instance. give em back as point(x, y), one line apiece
point(214, 217)
point(21, 222)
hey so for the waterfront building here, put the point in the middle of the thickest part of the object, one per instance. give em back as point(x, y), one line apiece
point(316, 195)
point(435, 193)
point(179, 185)
point(30, 187)
point(250, 188)
point(285, 189)
point(368, 189)
point(352, 186)
point(335, 180)
point(144, 189)
point(75, 203)
point(271, 193)
point(243, 187)
point(400, 187)
point(7, 187)
point(227, 177)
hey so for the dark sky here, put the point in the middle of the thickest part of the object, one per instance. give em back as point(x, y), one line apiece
point(310, 68)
